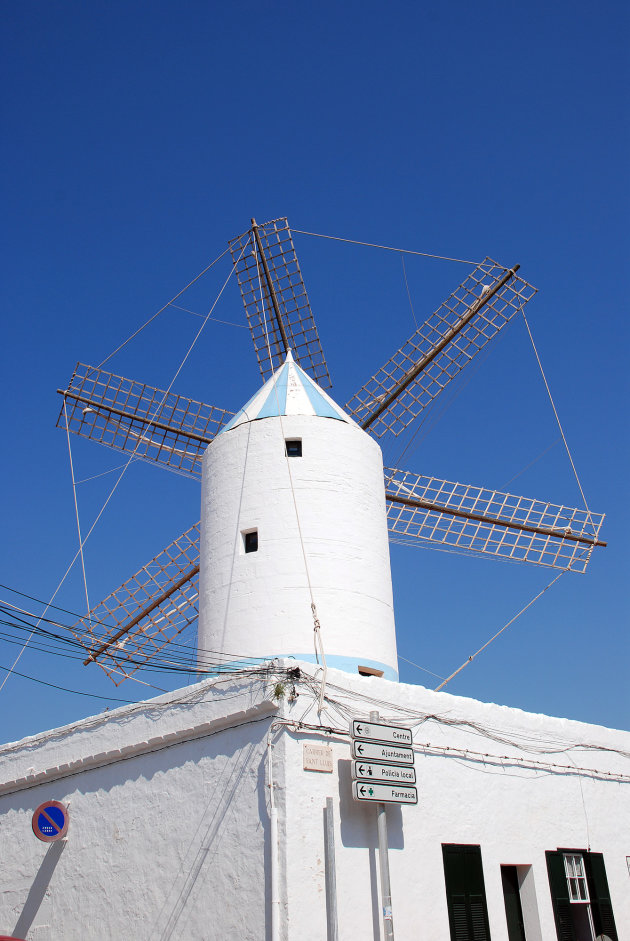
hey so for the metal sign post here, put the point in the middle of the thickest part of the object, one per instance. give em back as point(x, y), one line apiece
point(383, 772)
point(383, 861)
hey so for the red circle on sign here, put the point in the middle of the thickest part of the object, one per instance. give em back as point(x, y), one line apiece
point(50, 822)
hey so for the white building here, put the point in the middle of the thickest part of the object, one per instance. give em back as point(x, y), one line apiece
point(170, 831)
point(203, 814)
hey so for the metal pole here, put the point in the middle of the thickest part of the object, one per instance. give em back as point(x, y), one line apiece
point(331, 881)
point(275, 901)
point(383, 860)
point(154, 604)
point(272, 293)
point(495, 521)
point(132, 416)
point(273, 840)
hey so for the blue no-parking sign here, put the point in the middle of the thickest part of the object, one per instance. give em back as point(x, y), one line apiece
point(50, 821)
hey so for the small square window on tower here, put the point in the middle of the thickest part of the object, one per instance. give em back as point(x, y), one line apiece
point(250, 540)
point(294, 447)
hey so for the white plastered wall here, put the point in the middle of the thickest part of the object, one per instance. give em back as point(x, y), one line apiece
point(169, 832)
point(168, 835)
point(513, 809)
point(258, 604)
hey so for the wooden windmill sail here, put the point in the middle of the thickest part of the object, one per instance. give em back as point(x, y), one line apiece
point(129, 627)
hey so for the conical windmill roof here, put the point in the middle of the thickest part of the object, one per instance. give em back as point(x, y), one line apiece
point(288, 392)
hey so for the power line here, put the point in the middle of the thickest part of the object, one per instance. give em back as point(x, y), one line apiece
point(185, 648)
point(172, 662)
point(65, 689)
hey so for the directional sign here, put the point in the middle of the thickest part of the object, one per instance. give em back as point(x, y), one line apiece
point(372, 751)
point(50, 821)
point(375, 732)
point(395, 774)
point(384, 793)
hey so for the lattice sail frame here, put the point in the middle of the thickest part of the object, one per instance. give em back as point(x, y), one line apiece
point(483, 326)
point(160, 427)
point(288, 285)
point(488, 536)
point(123, 657)
point(173, 431)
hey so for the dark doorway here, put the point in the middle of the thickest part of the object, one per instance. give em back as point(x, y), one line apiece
point(512, 899)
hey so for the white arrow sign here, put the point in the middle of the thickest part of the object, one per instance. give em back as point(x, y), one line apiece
point(370, 771)
point(376, 732)
point(385, 793)
point(397, 755)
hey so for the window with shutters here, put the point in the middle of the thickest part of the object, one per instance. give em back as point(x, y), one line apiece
point(581, 899)
point(465, 892)
point(576, 877)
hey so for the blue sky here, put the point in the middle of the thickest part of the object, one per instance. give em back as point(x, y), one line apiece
point(141, 136)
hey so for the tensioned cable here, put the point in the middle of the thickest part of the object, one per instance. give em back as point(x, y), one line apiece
point(413, 313)
point(531, 742)
point(153, 665)
point(424, 669)
point(504, 628)
point(388, 248)
point(435, 416)
point(76, 512)
point(426, 543)
point(86, 480)
point(316, 623)
point(76, 509)
point(454, 751)
point(217, 658)
point(65, 689)
point(194, 695)
point(122, 473)
point(163, 666)
point(157, 313)
point(555, 411)
point(229, 658)
point(227, 323)
point(531, 463)
point(55, 652)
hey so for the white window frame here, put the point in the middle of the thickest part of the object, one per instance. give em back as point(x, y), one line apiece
point(576, 878)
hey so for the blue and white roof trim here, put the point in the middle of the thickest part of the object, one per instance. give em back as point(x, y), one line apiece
point(288, 392)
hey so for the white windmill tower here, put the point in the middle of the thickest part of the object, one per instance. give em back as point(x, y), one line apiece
point(294, 531)
point(295, 502)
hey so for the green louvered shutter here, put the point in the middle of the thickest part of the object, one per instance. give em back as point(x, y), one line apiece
point(601, 906)
point(560, 896)
point(465, 892)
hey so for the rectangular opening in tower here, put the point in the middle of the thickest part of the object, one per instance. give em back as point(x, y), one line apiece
point(250, 540)
point(294, 447)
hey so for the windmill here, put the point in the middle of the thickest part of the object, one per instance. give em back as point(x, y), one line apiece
point(148, 611)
